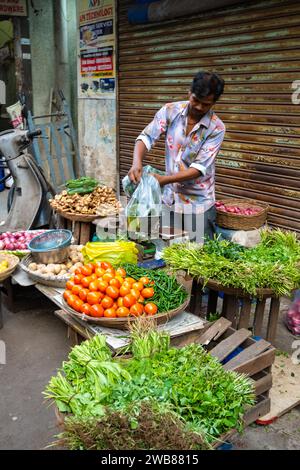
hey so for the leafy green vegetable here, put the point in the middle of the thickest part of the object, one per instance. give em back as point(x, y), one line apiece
point(273, 263)
point(188, 382)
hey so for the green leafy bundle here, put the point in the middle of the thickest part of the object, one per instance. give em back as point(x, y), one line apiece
point(274, 263)
point(188, 383)
point(80, 385)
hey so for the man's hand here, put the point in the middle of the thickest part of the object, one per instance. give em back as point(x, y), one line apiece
point(135, 173)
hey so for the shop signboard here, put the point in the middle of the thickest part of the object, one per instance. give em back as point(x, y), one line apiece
point(96, 20)
point(13, 8)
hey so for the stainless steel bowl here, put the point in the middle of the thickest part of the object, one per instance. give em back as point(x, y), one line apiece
point(58, 255)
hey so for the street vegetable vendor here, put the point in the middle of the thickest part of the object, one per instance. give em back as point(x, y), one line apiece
point(193, 137)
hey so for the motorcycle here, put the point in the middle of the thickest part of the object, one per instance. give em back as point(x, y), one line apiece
point(28, 206)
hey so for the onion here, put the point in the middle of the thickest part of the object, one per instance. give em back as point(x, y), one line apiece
point(10, 246)
point(23, 246)
point(1, 245)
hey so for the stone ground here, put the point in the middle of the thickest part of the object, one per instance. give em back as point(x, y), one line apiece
point(36, 344)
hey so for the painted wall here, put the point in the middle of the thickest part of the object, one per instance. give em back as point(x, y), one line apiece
point(97, 139)
point(97, 121)
point(42, 54)
point(53, 33)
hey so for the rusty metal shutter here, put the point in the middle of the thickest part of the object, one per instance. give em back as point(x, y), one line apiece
point(256, 48)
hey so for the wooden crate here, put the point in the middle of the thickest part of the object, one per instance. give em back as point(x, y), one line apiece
point(237, 308)
point(254, 358)
point(82, 231)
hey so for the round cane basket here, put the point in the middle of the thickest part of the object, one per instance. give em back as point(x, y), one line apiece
point(216, 286)
point(13, 262)
point(77, 217)
point(239, 221)
point(124, 323)
point(51, 280)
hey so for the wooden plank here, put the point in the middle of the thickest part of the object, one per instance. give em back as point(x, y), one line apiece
point(273, 319)
point(259, 317)
point(263, 384)
point(76, 232)
point(231, 309)
point(244, 319)
point(214, 332)
point(248, 353)
point(195, 305)
point(212, 302)
point(255, 412)
point(85, 233)
point(285, 392)
point(257, 364)
point(192, 303)
point(71, 322)
point(228, 345)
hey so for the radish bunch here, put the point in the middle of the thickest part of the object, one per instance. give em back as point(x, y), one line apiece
point(293, 317)
point(13, 241)
point(221, 206)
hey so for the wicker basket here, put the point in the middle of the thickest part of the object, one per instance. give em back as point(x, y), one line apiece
point(217, 286)
point(77, 217)
point(239, 221)
point(124, 323)
point(51, 281)
point(13, 262)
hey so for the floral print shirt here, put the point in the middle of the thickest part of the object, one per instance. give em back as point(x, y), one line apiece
point(197, 150)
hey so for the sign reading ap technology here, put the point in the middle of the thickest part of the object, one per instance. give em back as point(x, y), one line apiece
point(13, 7)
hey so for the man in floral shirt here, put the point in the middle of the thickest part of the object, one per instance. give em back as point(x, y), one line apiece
point(193, 137)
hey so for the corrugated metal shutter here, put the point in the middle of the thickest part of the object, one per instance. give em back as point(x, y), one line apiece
point(256, 49)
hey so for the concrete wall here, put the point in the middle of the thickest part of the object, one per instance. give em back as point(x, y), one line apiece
point(42, 54)
point(98, 134)
point(97, 139)
point(53, 34)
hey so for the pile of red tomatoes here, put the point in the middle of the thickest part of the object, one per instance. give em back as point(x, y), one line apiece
point(99, 290)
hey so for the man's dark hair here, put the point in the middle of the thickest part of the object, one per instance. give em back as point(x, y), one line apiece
point(206, 83)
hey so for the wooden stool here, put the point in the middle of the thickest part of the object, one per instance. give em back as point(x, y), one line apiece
point(236, 307)
point(82, 231)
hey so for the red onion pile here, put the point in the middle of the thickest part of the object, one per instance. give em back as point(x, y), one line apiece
point(14, 241)
point(293, 316)
point(221, 206)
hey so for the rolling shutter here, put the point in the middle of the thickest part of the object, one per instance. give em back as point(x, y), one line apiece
point(256, 49)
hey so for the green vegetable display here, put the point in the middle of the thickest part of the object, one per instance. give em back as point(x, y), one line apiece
point(168, 293)
point(83, 185)
point(274, 263)
point(188, 383)
point(83, 380)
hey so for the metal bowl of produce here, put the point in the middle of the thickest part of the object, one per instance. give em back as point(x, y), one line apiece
point(51, 246)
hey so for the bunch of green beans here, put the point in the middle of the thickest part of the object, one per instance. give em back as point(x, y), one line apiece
point(168, 294)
